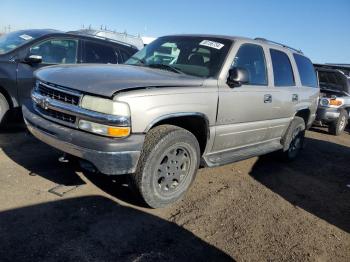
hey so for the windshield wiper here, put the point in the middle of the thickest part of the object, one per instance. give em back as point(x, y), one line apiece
point(166, 67)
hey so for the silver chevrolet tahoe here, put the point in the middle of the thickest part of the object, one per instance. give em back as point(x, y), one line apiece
point(182, 102)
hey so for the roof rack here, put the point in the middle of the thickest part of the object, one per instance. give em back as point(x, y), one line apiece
point(276, 43)
point(121, 38)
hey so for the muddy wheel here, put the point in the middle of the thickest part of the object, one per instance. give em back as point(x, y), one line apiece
point(293, 140)
point(337, 127)
point(167, 166)
point(4, 107)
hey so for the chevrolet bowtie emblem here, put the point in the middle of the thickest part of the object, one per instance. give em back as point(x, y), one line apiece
point(44, 103)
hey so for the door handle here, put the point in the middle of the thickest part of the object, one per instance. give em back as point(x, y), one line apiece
point(267, 98)
point(295, 98)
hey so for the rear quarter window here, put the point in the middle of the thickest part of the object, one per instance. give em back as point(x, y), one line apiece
point(98, 53)
point(306, 71)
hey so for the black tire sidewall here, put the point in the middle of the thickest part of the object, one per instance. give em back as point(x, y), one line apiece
point(147, 186)
point(301, 135)
point(342, 114)
point(4, 107)
point(297, 123)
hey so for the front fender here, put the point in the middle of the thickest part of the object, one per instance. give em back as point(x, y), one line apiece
point(151, 106)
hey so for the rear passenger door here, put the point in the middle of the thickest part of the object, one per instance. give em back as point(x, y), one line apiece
point(97, 53)
point(244, 112)
point(286, 93)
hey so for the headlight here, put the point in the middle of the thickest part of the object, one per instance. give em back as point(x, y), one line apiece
point(100, 129)
point(333, 102)
point(106, 106)
point(324, 102)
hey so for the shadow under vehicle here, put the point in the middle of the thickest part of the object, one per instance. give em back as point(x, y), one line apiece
point(311, 183)
point(94, 228)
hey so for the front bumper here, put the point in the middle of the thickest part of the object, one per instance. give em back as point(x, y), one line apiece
point(109, 155)
point(326, 114)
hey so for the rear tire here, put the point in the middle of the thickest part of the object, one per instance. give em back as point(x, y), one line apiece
point(337, 127)
point(293, 140)
point(167, 166)
point(4, 107)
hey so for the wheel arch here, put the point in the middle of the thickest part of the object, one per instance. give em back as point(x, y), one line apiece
point(304, 113)
point(347, 108)
point(195, 122)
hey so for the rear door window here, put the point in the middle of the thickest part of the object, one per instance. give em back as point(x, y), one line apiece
point(282, 68)
point(306, 71)
point(99, 53)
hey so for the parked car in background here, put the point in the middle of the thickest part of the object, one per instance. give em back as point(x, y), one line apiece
point(334, 106)
point(136, 41)
point(23, 52)
point(181, 101)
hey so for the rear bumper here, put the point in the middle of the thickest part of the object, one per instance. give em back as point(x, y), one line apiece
point(110, 156)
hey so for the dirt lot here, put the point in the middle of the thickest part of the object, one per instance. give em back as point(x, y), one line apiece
point(260, 209)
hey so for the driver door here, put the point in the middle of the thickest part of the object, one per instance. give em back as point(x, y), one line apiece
point(53, 51)
point(244, 112)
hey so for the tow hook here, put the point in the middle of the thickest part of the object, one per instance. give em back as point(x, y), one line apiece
point(63, 158)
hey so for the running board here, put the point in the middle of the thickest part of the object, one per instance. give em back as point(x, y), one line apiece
point(227, 157)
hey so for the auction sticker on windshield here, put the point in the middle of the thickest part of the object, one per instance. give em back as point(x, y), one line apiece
point(211, 44)
point(26, 37)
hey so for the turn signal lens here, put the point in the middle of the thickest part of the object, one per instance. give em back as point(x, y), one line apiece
point(335, 102)
point(104, 130)
point(118, 131)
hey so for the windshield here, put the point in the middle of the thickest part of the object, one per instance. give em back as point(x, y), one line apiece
point(197, 56)
point(10, 41)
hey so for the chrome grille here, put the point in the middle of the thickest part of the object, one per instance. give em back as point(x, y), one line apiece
point(62, 96)
point(59, 94)
point(57, 115)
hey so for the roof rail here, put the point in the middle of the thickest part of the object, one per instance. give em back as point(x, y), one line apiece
point(121, 38)
point(276, 43)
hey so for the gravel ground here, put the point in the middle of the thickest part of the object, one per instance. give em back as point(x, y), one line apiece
point(260, 209)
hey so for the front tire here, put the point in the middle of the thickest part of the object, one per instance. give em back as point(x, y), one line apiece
point(293, 140)
point(337, 127)
point(4, 107)
point(167, 166)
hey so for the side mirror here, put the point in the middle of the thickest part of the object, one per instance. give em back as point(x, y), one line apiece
point(237, 76)
point(33, 59)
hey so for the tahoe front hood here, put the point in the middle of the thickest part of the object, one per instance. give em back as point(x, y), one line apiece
point(105, 80)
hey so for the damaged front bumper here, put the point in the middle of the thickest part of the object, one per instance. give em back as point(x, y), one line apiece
point(110, 156)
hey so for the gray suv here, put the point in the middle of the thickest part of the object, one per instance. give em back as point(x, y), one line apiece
point(182, 102)
point(334, 107)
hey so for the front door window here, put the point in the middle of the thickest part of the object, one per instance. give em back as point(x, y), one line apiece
point(57, 51)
